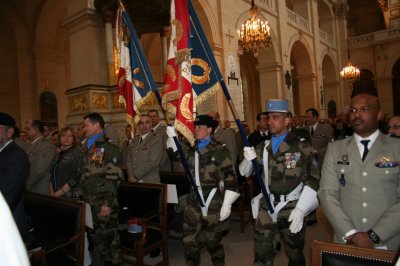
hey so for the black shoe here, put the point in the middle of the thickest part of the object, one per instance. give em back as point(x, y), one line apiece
point(155, 253)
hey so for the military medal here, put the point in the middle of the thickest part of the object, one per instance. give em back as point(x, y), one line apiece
point(291, 159)
point(98, 154)
point(386, 162)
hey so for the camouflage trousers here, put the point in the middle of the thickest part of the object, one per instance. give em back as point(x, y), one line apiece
point(199, 231)
point(265, 238)
point(105, 235)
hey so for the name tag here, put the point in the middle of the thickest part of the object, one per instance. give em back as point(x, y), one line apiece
point(343, 162)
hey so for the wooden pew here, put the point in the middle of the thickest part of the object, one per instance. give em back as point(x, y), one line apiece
point(57, 226)
point(332, 254)
point(146, 205)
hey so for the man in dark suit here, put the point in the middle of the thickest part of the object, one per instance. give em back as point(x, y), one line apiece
point(14, 169)
point(261, 133)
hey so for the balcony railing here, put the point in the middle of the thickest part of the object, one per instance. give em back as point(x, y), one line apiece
point(374, 38)
point(326, 37)
point(297, 20)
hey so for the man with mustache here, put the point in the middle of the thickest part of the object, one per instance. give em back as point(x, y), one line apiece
point(360, 184)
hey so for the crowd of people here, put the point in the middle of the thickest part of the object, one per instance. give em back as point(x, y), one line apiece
point(349, 167)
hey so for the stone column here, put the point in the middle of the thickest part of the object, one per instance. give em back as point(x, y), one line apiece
point(164, 48)
point(110, 52)
point(87, 45)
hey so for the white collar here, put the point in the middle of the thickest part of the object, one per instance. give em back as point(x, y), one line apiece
point(371, 139)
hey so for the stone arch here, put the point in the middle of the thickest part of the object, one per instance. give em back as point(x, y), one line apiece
point(208, 21)
point(51, 50)
point(325, 17)
point(330, 83)
point(20, 38)
point(390, 63)
point(305, 94)
point(250, 88)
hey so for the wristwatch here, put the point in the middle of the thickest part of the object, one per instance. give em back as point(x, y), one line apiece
point(373, 236)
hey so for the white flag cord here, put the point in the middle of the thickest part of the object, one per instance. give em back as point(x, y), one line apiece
point(255, 202)
point(204, 210)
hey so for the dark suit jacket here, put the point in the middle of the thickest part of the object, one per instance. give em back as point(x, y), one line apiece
point(14, 170)
point(255, 138)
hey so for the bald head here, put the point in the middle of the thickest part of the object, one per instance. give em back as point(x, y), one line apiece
point(394, 126)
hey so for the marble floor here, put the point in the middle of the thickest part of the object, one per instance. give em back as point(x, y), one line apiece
point(239, 247)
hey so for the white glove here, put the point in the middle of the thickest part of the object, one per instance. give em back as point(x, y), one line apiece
point(229, 199)
point(225, 212)
point(171, 132)
point(249, 153)
point(296, 218)
point(246, 168)
point(307, 202)
point(171, 144)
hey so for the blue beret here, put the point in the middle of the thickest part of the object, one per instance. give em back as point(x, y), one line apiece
point(6, 120)
point(277, 106)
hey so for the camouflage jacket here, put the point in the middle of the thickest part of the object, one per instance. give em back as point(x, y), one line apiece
point(216, 168)
point(102, 175)
point(293, 163)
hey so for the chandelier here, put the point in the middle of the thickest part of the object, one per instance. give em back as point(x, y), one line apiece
point(254, 33)
point(349, 73)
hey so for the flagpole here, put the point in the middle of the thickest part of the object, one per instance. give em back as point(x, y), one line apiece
point(217, 73)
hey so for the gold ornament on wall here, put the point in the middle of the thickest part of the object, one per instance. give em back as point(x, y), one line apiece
point(99, 101)
point(78, 103)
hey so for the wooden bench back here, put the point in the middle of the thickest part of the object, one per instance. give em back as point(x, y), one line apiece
point(179, 179)
point(141, 200)
point(332, 254)
point(55, 221)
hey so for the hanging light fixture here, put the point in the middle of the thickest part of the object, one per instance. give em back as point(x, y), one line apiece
point(254, 33)
point(349, 73)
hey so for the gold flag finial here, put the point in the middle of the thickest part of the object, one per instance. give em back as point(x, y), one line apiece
point(121, 5)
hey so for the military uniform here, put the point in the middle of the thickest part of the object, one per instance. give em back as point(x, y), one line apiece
point(288, 168)
point(100, 182)
point(215, 171)
point(144, 158)
point(41, 156)
point(227, 136)
point(363, 195)
point(165, 162)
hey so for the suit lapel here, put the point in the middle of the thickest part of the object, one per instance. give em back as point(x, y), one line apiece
point(377, 148)
point(352, 151)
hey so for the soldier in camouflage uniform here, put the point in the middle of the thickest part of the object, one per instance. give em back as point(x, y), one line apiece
point(216, 171)
point(293, 181)
point(100, 182)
